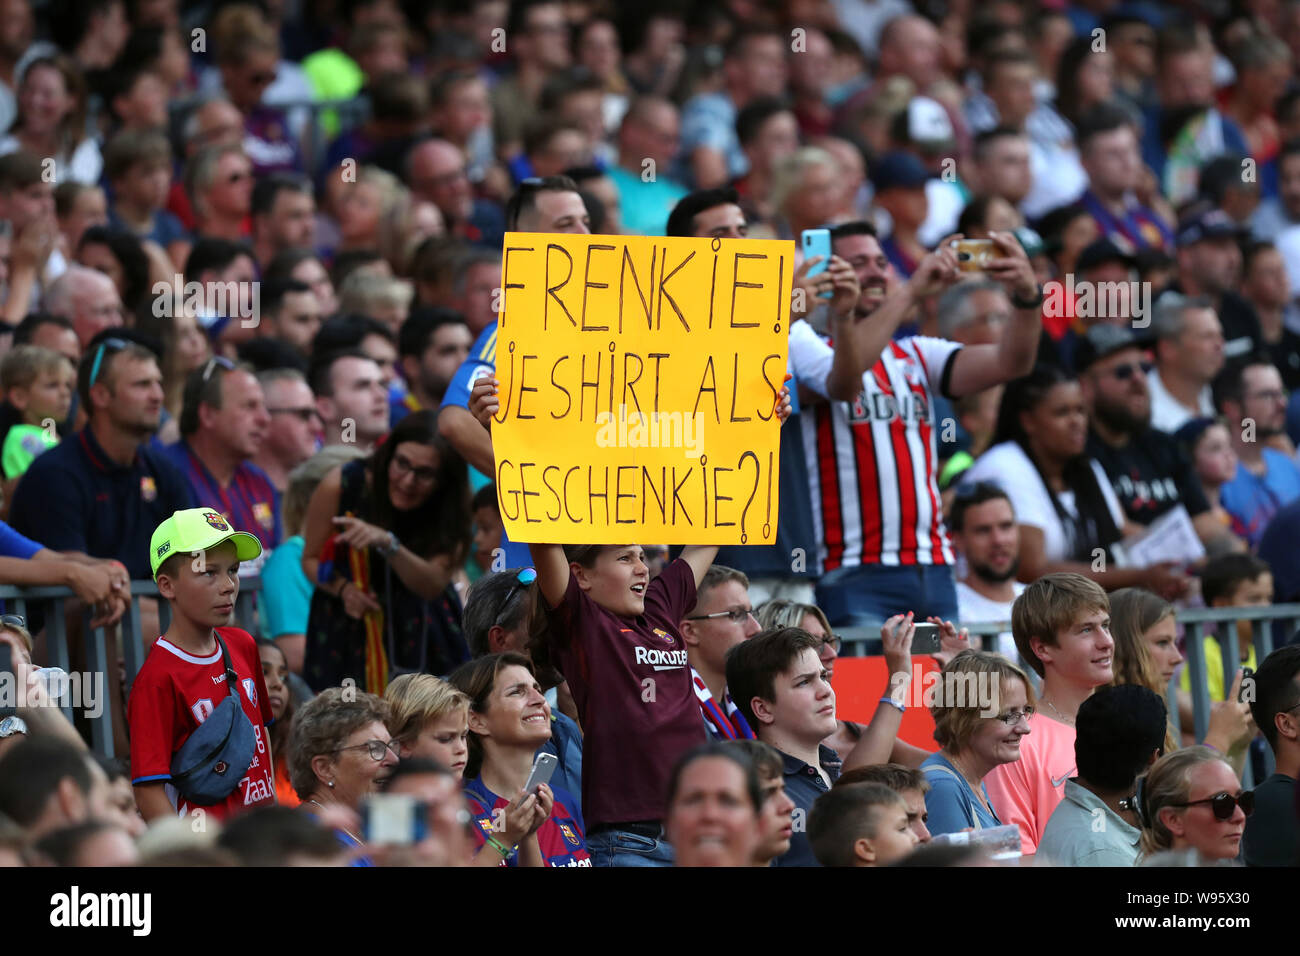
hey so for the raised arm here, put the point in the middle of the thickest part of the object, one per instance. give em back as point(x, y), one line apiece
point(552, 571)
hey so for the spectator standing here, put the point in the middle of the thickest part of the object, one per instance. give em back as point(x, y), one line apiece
point(983, 525)
point(1272, 835)
point(1189, 354)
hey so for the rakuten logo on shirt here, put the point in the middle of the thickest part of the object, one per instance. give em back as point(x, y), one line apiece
point(661, 660)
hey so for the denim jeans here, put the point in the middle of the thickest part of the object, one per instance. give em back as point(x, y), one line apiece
point(615, 847)
point(870, 594)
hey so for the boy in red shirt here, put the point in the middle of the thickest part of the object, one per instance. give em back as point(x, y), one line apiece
point(195, 557)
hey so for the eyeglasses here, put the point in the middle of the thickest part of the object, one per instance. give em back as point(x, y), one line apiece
point(116, 345)
point(834, 641)
point(423, 475)
point(1015, 716)
point(377, 748)
point(523, 578)
point(304, 414)
point(1224, 804)
point(214, 362)
point(1128, 369)
point(735, 615)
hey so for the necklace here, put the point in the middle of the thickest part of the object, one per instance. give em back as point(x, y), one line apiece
point(975, 787)
point(1063, 718)
point(360, 842)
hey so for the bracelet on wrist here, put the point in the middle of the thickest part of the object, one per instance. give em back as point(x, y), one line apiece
point(902, 708)
point(500, 847)
point(1033, 302)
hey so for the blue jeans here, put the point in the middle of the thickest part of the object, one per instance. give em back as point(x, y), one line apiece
point(623, 848)
point(870, 594)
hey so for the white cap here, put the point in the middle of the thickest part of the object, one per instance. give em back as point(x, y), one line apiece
point(927, 121)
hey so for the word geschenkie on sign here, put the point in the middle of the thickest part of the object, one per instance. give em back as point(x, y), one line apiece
point(638, 377)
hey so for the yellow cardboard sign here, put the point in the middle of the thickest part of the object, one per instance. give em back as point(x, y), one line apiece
point(637, 380)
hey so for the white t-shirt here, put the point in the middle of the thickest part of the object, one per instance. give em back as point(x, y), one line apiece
point(1167, 413)
point(1007, 466)
point(975, 608)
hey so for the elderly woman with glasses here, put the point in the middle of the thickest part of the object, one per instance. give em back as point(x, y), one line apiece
point(1191, 800)
point(981, 706)
point(381, 540)
point(340, 754)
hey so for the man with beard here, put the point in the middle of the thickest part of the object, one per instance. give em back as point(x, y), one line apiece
point(432, 343)
point(1251, 397)
point(1149, 472)
point(983, 526)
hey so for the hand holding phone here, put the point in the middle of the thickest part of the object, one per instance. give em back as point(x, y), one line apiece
point(543, 768)
point(817, 242)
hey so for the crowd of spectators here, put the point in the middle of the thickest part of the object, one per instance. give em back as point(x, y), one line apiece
point(249, 278)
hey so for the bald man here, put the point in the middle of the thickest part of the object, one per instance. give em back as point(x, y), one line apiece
point(86, 298)
point(435, 171)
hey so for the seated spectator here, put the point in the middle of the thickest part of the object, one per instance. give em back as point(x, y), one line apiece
point(275, 674)
point(768, 132)
point(983, 527)
point(975, 736)
point(228, 312)
point(1192, 800)
point(1120, 732)
point(647, 142)
point(1231, 580)
point(1147, 470)
point(1189, 354)
point(721, 618)
point(137, 165)
point(51, 332)
point(350, 398)
point(356, 330)
point(1108, 149)
point(87, 298)
point(1207, 444)
point(304, 266)
point(776, 825)
point(78, 206)
point(280, 836)
point(860, 824)
point(339, 754)
point(1209, 266)
point(1267, 287)
point(26, 200)
point(223, 424)
point(195, 556)
point(219, 185)
point(447, 840)
point(509, 720)
point(431, 345)
point(51, 121)
point(714, 807)
point(48, 784)
point(779, 685)
point(135, 266)
point(284, 215)
point(1001, 166)
point(383, 605)
point(1067, 513)
point(121, 796)
point(38, 383)
point(383, 298)
point(293, 314)
point(1272, 835)
point(908, 782)
point(89, 844)
point(248, 55)
point(1277, 547)
point(436, 171)
point(1251, 398)
point(1060, 625)
point(488, 530)
point(429, 719)
point(135, 92)
point(295, 425)
point(286, 592)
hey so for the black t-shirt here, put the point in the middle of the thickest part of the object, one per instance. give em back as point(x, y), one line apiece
point(1285, 354)
point(1272, 835)
point(1150, 475)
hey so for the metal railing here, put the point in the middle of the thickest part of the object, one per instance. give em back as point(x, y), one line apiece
point(1197, 623)
point(51, 601)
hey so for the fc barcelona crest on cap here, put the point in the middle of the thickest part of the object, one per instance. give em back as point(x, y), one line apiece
point(216, 520)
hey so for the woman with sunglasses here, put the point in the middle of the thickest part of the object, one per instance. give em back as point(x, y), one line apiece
point(509, 722)
point(340, 754)
point(1066, 509)
point(382, 538)
point(1191, 800)
point(972, 741)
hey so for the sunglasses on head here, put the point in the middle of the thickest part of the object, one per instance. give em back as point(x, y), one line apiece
point(115, 344)
point(523, 578)
point(1225, 805)
point(215, 362)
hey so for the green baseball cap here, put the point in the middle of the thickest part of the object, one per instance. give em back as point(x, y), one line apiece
point(198, 529)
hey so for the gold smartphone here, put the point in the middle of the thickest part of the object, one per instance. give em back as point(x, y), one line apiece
point(973, 254)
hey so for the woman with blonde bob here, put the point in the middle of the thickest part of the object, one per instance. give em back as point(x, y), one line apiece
point(982, 705)
point(430, 718)
point(1191, 800)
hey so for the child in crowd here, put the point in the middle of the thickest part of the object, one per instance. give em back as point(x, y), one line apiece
point(429, 719)
point(195, 557)
point(860, 824)
point(487, 531)
point(38, 383)
point(137, 165)
point(1061, 625)
point(1230, 580)
point(275, 672)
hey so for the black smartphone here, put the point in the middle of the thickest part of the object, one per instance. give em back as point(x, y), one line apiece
point(927, 639)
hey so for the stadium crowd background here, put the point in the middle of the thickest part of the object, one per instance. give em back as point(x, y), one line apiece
point(318, 374)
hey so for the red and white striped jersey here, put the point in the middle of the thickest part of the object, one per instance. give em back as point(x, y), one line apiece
point(872, 463)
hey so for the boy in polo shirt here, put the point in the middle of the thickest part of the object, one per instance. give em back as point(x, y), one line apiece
point(1230, 580)
point(195, 557)
point(782, 689)
point(1061, 626)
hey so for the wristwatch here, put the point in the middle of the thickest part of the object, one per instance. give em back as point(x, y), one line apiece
point(12, 725)
point(1031, 303)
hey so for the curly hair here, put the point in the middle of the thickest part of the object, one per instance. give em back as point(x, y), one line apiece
point(322, 725)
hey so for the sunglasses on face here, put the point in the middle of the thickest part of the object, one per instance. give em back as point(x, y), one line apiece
point(1225, 804)
point(303, 414)
point(1128, 369)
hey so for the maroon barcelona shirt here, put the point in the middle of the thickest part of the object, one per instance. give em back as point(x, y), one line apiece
point(636, 703)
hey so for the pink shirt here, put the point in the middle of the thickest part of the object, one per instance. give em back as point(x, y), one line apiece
point(1027, 791)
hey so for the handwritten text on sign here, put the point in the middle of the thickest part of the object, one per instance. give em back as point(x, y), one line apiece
point(638, 378)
